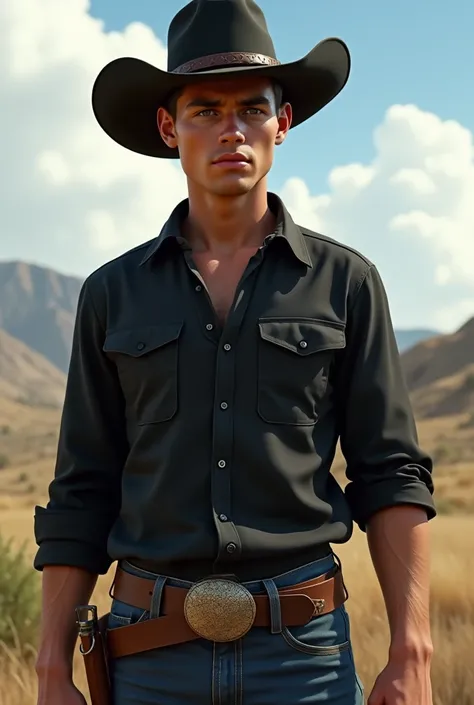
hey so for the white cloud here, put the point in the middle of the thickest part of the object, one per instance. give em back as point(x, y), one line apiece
point(72, 198)
point(411, 210)
point(449, 317)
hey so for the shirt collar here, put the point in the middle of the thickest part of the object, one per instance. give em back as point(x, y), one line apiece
point(286, 229)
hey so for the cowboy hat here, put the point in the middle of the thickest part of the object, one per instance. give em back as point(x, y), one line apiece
point(209, 38)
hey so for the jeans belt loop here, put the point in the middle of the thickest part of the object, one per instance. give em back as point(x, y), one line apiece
point(155, 607)
point(275, 606)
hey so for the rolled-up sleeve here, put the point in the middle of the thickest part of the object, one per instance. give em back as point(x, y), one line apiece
point(378, 437)
point(85, 494)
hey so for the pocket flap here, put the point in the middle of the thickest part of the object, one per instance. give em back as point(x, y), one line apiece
point(140, 341)
point(303, 336)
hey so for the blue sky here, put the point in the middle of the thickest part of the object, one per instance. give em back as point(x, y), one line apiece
point(402, 52)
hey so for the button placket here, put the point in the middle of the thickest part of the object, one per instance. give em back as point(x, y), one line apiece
point(229, 543)
point(223, 435)
point(223, 441)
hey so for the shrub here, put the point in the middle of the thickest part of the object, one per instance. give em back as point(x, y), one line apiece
point(20, 599)
point(4, 461)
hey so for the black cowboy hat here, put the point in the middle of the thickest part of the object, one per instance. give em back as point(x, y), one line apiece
point(205, 39)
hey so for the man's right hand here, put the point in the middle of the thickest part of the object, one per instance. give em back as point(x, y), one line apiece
point(60, 693)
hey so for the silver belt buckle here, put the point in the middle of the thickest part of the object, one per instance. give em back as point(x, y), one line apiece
point(219, 609)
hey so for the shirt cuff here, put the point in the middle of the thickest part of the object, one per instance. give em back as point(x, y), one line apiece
point(75, 538)
point(365, 501)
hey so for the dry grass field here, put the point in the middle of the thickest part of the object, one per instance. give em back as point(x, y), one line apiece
point(452, 613)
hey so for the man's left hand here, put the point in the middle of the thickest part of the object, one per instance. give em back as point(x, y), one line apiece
point(405, 680)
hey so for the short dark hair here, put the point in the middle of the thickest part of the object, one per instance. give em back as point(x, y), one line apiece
point(171, 103)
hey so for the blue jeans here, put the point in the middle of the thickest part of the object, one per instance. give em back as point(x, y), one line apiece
point(308, 664)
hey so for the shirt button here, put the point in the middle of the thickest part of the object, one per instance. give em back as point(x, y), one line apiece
point(231, 547)
point(303, 344)
point(223, 517)
point(140, 346)
point(199, 287)
point(227, 347)
point(221, 463)
point(209, 326)
point(224, 405)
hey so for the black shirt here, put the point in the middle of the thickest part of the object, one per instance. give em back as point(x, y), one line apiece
point(193, 448)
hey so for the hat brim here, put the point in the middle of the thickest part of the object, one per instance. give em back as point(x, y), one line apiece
point(128, 92)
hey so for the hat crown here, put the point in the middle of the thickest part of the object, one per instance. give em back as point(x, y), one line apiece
point(212, 27)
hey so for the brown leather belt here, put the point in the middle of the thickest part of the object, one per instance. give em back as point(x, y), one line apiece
point(217, 608)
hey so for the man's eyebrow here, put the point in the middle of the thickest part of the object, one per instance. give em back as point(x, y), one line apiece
point(203, 103)
point(199, 102)
point(255, 100)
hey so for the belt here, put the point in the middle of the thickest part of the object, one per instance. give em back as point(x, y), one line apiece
point(218, 608)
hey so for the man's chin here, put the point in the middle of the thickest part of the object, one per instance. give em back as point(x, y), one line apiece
point(239, 187)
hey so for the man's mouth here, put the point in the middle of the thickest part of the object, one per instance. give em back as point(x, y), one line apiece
point(232, 159)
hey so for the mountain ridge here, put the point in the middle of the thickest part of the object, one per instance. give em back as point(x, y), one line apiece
point(38, 307)
point(28, 377)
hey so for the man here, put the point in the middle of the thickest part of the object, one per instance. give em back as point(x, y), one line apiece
point(213, 371)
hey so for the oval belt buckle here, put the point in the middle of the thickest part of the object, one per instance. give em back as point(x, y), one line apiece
point(219, 609)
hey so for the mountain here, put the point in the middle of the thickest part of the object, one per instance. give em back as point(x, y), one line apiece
point(438, 357)
point(28, 377)
point(407, 338)
point(440, 373)
point(38, 306)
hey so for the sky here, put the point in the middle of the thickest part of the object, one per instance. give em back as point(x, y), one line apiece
point(387, 168)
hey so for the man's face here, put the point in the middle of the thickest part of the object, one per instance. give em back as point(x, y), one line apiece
point(226, 132)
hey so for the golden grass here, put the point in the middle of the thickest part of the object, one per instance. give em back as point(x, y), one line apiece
point(452, 614)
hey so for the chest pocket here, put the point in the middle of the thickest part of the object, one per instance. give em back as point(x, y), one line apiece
point(294, 360)
point(147, 363)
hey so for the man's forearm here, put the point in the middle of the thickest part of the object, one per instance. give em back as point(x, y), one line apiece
point(64, 588)
point(399, 544)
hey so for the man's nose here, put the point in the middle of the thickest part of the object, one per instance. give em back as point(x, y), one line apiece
point(232, 132)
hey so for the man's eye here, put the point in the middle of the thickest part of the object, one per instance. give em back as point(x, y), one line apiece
point(206, 112)
point(255, 110)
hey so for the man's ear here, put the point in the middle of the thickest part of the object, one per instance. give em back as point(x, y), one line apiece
point(166, 128)
point(285, 117)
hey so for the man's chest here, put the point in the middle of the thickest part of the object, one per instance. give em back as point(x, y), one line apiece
point(284, 326)
point(221, 277)
point(252, 294)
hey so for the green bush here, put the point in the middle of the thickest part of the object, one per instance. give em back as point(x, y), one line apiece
point(20, 598)
point(4, 461)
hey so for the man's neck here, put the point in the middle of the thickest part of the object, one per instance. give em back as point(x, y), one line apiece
point(224, 224)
